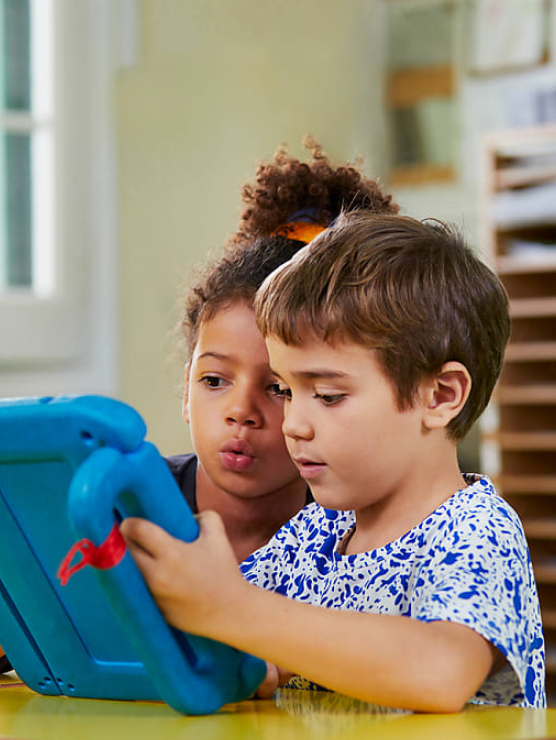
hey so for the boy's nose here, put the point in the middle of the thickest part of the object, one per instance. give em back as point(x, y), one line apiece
point(296, 424)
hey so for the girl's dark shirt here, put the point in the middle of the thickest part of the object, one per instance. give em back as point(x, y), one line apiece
point(184, 470)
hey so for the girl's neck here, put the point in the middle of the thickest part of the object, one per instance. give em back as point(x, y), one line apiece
point(250, 522)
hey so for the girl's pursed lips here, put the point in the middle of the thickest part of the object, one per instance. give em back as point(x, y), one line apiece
point(238, 447)
point(237, 455)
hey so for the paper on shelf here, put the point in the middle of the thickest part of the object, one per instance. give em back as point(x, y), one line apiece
point(535, 206)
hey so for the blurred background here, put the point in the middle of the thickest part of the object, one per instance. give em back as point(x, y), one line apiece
point(129, 126)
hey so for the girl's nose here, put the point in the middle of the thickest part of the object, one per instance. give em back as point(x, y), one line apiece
point(244, 409)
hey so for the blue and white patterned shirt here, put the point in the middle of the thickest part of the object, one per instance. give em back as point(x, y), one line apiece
point(468, 562)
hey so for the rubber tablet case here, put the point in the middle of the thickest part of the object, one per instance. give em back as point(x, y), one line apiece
point(70, 468)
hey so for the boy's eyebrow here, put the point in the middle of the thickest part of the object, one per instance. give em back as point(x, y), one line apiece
point(324, 374)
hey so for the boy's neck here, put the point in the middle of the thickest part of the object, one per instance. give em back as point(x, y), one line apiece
point(250, 522)
point(420, 494)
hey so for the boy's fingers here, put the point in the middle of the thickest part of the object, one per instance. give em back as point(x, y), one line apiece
point(270, 682)
point(140, 534)
point(284, 676)
point(142, 559)
point(211, 524)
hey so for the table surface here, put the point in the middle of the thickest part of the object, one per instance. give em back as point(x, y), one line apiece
point(291, 714)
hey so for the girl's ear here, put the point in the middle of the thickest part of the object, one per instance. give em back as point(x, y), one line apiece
point(186, 381)
point(446, 394)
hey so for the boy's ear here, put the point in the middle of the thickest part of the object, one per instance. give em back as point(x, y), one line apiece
point(185, 403)
point(446, 395)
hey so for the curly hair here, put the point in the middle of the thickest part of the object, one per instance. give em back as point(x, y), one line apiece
point(281, 190)
point(287, 185)
point(235, 277)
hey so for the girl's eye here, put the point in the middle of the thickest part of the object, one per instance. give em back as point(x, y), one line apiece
point(282, 391)
point(330, 400)
point(212, 381)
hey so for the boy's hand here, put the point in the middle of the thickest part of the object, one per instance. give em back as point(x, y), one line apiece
point(275, 677)
point(195, 584)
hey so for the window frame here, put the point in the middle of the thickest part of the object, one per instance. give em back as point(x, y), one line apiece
point(67, 341)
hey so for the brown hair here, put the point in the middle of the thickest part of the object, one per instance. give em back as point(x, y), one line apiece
point(411, 290)
point(287, 186)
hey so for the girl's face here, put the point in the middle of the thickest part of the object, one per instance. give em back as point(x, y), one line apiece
point(234, 410)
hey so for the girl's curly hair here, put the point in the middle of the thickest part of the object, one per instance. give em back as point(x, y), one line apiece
point(280, 190)
point(287, 185)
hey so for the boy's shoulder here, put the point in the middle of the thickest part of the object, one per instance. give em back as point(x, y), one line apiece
point(475, 507)
point(476, 514)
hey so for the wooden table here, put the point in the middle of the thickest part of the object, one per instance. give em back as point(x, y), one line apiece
point(25, 715)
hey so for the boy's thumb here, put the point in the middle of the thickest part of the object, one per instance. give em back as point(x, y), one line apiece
point(210, 524)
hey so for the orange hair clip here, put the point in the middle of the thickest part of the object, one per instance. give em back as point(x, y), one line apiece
point(299, 230)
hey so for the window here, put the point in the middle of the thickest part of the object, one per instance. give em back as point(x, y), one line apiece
point(26, 147)
point(58, 250)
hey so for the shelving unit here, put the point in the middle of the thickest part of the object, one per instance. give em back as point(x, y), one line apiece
point(406, 89)
point(519, 234)
point(421, 70)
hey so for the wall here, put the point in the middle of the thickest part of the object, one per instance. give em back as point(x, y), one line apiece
point(217, 86)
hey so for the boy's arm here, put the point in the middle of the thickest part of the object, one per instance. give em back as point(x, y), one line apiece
point(394, 661)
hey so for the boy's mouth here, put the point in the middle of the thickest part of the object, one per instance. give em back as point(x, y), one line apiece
point(309, 468)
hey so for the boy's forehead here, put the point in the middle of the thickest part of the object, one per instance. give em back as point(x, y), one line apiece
point(315, 357)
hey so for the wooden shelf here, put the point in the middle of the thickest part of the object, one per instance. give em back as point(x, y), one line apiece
point(535, 141)
point(508, 265)
point(549, 618)
point(408, 87)
point(421, 174)
point(544, 441)
point(550, 660)
point(525, 441)
point(528, 351)
point(540, 528)
point(527, 484)
point(527, 394)
point(526, 308)
point(545, 573)
point(521, 176)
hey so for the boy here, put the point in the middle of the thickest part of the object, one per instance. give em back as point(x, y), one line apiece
point(387, 337)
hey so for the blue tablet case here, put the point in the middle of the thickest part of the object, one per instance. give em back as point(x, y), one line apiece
point(69, 469)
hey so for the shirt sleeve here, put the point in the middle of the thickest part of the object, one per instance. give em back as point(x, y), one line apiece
point(478, 573)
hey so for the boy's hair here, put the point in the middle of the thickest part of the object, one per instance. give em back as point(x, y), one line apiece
point(318, 190)
point(281, 189)
point(411, 290)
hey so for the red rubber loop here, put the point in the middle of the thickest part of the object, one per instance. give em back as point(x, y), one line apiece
point(106, 555)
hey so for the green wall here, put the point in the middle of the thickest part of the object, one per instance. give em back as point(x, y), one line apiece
point(218, 85)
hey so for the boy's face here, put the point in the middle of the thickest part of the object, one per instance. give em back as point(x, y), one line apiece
point(342, 424)
point(233, 408)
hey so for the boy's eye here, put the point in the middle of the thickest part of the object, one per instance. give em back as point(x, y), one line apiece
point(282, 391)
point(213, 381)
point(274, 389)
point(330, 399)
